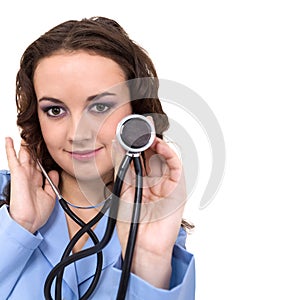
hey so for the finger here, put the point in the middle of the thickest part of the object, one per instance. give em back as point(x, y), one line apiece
point(24, 155)
point(171, 159)
point(11, 155)
point(154, 164)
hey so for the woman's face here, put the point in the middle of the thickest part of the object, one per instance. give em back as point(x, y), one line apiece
point(81, 99)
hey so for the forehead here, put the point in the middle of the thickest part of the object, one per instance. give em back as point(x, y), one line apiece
point(77, 68)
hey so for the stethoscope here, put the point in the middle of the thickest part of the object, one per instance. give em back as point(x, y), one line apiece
point(135, 133)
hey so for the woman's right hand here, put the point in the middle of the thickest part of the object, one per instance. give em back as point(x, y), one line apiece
point(31, 203)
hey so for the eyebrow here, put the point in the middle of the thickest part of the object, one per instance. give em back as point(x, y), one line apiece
point(88, 99)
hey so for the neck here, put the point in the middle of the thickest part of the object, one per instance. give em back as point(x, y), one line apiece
point(84, 192)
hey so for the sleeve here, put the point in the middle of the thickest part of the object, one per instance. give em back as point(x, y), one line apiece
point(182, 286)
point(4, 178)
point(17, 246)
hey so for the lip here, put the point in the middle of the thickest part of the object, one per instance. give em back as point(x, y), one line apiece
point(84, 154)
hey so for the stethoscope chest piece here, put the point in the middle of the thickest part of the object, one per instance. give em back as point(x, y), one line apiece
point(135, 133)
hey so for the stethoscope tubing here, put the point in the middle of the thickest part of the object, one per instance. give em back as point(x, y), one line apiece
point(73, 241)
point(113, 206)
point(133, 230)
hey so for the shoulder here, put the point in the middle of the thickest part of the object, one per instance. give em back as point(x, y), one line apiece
point(4, 178)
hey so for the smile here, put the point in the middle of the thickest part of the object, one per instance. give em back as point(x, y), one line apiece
point(84, 155)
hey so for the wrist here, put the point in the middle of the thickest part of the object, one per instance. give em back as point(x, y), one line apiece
point(25, 224)
point(153, 268)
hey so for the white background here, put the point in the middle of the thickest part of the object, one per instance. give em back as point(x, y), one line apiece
point(243, 59)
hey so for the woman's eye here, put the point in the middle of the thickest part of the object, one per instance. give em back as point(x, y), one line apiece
point(100, 107)
point(54, 111)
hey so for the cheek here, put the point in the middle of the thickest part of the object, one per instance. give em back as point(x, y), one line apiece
point(52, 136)
point(46, 131)
point(107, 132)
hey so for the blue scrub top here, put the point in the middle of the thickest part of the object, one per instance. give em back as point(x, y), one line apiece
point(4, 178)
point(26, 260)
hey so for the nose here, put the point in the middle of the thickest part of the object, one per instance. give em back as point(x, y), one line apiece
point(80, 129)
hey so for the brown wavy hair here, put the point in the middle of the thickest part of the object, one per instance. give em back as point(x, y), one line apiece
point(97, 35)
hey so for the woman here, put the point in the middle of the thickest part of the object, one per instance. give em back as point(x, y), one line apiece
point(75, 84)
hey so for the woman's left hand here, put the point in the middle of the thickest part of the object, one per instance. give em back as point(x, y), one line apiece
point(164, 196)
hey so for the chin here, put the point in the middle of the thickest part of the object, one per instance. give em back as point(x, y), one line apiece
point(92, 173)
